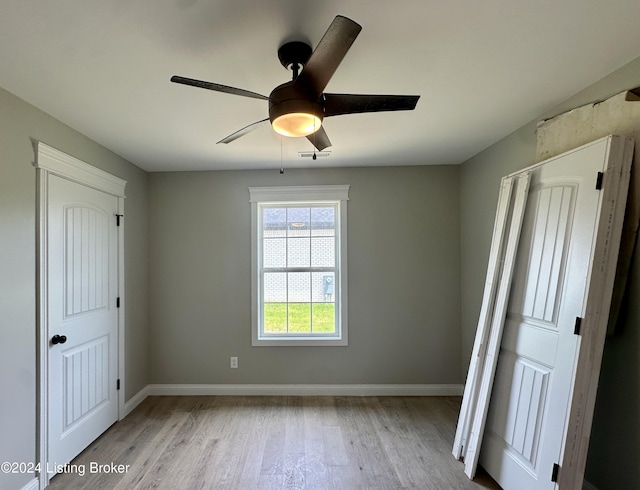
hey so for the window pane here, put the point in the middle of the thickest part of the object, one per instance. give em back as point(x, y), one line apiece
point(299, 287)
point(274, 222)
point(323, 221)
point(299, 318)
point(298, 252)
point(275, 287)
point(298, 221)
point(274, 252)
point(323, 252)
point(275, 318)
point(323, 287)
point(323, 317)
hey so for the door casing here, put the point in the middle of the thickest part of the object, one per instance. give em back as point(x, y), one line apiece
point(50, 161)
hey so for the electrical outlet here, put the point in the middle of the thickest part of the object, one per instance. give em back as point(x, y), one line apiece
point(234, 362)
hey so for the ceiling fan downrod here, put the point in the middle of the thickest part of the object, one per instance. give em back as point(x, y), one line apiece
point(294, 55)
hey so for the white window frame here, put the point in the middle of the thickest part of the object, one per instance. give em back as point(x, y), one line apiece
point(304, 195)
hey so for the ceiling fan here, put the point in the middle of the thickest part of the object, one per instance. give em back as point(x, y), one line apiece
point(297, 108)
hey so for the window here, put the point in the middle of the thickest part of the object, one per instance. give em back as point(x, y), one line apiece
point(299, 265)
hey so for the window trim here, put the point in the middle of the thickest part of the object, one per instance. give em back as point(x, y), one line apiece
point(308, 195)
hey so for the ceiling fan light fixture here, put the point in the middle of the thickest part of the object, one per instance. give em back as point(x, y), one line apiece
point(292, 113)
point(296, 124)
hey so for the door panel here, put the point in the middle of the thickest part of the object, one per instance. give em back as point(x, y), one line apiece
point(516, 424)
point(538, 280)
point(82, 289)
point(86, 259)
point(85, 371)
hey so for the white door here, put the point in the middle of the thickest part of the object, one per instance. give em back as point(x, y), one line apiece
point(82, 317)
point(524, 433)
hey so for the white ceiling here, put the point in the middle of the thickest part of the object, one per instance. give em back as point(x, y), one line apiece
point(482, 68)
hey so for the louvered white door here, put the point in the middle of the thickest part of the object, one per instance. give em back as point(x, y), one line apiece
point(536, 366)
point(82, 288)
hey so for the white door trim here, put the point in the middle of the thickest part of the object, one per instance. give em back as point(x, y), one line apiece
point(49, 161)
point(491, 329)
point(501, 231)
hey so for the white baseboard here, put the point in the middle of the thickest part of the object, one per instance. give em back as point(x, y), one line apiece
point(306, 390)
point(134, 401)
point(32, 485)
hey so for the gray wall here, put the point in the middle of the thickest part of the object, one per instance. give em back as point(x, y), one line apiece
point(414, 291)
point(19, 122)
point(404, 308)
point(615, 446)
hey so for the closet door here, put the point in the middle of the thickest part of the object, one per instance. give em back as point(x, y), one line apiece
point(532, 387)
point(530, 419)
point(82, 317)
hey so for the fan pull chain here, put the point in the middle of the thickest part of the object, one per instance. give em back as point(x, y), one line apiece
point(314, 141)
point(281, 165)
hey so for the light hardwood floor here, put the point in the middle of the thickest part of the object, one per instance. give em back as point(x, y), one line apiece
point(279, 442)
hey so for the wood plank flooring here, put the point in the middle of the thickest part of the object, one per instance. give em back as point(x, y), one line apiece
point(277, 442)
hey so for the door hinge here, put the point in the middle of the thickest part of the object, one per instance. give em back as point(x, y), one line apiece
point(576, 328)
point(599, 180)
point(118, 216)
point(118, 302)
point(118, 384)
point(554, 472)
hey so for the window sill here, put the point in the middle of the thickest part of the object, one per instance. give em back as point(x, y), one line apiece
point(298, 342)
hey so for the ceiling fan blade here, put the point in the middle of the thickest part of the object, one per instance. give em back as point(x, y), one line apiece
point(328, 54)
point(242, 132)
point(217, 87)
point(319, 139)
point(337, 104)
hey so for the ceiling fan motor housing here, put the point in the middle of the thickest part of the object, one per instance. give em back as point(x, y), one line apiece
point(287, 100)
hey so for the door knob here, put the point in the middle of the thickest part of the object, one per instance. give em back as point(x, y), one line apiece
point(58, 339)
